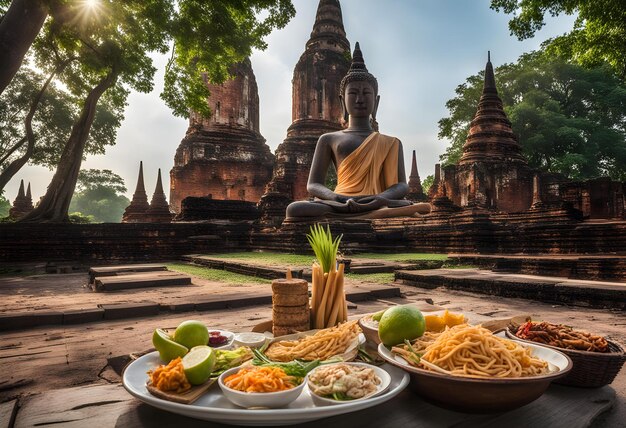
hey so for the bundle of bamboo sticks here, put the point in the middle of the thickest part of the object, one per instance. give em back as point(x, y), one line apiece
point(328, 298)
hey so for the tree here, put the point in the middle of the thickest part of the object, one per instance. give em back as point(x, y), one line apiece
point(568, 119)
point(51, 122)
point(100, 193)
point(598, 36)
point(5, 206)
point(111, 42)
point(20, 23)
point(427, 183)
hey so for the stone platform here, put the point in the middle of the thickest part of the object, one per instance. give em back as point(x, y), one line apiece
point(100, 271)
point(599, 294)
point(573, 266)
point(140, 280)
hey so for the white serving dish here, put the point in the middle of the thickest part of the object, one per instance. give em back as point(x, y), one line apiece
point(270, 400)
point(250, 339)
point(214, 406)
point(385, 380)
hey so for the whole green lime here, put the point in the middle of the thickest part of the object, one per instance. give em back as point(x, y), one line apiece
point(399, 323)
point(198, 364)
point(378, 315)
point(168, 349)
point(191, 333)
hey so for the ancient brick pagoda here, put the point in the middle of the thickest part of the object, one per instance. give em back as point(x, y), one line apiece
point(492, 173)
point(416, 192)
point(316, 109)
point(224, 157)
point(23, 203)
point(136, 211)
point(159, 210)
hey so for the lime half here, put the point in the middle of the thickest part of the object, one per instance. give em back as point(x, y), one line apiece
point(198, 364)
point(168, 349)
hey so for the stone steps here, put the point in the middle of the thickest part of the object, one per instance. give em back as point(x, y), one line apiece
point(141, 280)
point(100, 271)
point(597, 268)
point(600, 294)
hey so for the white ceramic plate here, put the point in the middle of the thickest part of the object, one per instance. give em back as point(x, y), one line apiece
point(385, 380)
point(213, 406)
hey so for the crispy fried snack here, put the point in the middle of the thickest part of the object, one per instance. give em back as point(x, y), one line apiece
point(561, 336)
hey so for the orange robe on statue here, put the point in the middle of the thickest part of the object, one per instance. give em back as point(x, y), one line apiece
point(371, 169)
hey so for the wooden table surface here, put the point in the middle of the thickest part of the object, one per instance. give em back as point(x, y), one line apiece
point(104, 405)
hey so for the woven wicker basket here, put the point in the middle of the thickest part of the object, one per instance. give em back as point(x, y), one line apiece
point(590, 369)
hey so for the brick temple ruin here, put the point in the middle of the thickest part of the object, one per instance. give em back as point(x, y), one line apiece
point(224, 157)
point(490, 202)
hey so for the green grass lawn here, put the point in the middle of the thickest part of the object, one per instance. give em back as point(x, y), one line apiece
point(401, 257)
point(379, 278)
point(216, 274)
point(305, 260)
point(267, 258)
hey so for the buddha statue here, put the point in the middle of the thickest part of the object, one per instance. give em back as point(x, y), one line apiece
point(371, 182)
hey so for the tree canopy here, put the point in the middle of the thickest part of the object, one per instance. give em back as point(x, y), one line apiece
point(598, 36)
point(51, 123)
point(569, 119)
point(100, 194)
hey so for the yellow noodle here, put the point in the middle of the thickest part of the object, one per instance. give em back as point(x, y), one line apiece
point(322, 345)
point(474, 351)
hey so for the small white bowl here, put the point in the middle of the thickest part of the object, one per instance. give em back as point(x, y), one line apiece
point(251, 339)
point(258, 399)
point(385, 380)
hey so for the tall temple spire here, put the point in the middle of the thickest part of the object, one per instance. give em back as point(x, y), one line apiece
point(20, 193)
point(328, 28)
point(491, 138)
point(490, 78)
point(159, 211)
point(29, 196)
point(134, 213)
point(316, 110)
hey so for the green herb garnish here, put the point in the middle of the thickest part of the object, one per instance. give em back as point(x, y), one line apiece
point(417, 358)
point(295, 368)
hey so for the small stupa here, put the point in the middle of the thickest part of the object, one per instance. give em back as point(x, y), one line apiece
point(23, 203)
point(416, 192)
point(136, 211)
point(159, 210)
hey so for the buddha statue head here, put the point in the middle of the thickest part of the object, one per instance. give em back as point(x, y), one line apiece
point(359, 89)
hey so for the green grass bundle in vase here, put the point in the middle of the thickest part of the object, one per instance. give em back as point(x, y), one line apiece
point(328, 298)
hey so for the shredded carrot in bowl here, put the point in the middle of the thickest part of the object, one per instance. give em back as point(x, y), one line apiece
point(261, 379)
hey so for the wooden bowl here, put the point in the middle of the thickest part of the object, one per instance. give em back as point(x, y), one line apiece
point(477, 395)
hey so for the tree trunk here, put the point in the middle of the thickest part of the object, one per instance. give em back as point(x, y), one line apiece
point(56, 202)
point(18, 29)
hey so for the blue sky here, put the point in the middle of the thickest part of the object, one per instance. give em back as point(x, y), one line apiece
point(419, 50)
